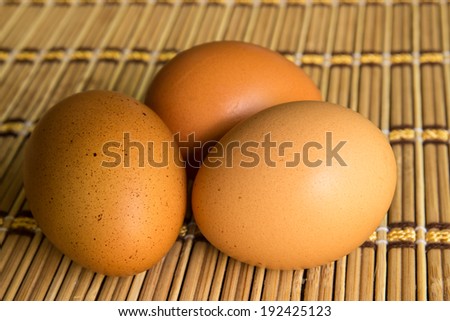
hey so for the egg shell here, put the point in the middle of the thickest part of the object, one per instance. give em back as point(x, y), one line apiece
point(209, 88)
point(97, 203)
point(298, 215)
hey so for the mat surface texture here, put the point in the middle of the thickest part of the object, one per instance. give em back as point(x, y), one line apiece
point(388, 60)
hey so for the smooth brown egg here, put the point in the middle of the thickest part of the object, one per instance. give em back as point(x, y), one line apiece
point(97, 191)
point(295, 186)
point(209, 88)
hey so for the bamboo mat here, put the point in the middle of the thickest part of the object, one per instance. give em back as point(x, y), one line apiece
point(389, 60)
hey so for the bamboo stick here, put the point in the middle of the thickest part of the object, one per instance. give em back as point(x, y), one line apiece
point(136, 286)
point(58, 279)
point(326, 282)
point(271, 282)
point(69, 282)
point(353, 275)
point(367, 275)
point(285, 285)
point(290, 33)
point(19, 247)
point(219, 275)
point(297, 284)
point(122, 288)
point(245, 283)
point(21, 270)
point(108, 288)
point(30, 279)
point(205, 283)
point(94, 288)
point(419, 161)
point(339, 283)
point(193, 272)
point(168, 272)
point(45, 277)
point(177, 280)
point(312, 284)
point(258, 284)
point(150, 283)
point(83, 284)
point(231, 280)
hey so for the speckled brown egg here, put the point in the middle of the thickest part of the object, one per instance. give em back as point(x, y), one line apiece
point(209, 88)
point(101, 183)
point(295, 186)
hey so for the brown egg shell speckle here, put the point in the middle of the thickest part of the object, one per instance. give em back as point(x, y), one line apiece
point(302, 216)
point(115, 220)
point(209, 88)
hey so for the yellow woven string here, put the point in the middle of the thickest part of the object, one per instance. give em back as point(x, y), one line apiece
point(69, 2)
point(435, 134)
point(371, 59)
point(347, 59)
point(342, 60)
point(322, 1)
point(12, 127)
point(445, 236)
point(166, 56)
point(431, 58)
point(407, 234)
point(296, 1)
point(269, 2)
point(312, 59)
point(82, 55)
point(401, 134)
point(88, 1)
point(166, 1)
point(403, 58)
point(24, 223)
point(4, 55)
point(243, 1)
point(110, 55)
point(26, 56)
point(408, 2)
point(442, 236)
point(183, 231)
point(373, 236)
point(140, 56)
point(218, 1)
point(54, 55)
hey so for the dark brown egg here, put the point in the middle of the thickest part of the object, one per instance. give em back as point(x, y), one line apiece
point(206, 90)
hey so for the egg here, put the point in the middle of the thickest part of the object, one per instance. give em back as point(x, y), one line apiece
point(103, 183)
point(295, 186)
point(207, 89)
